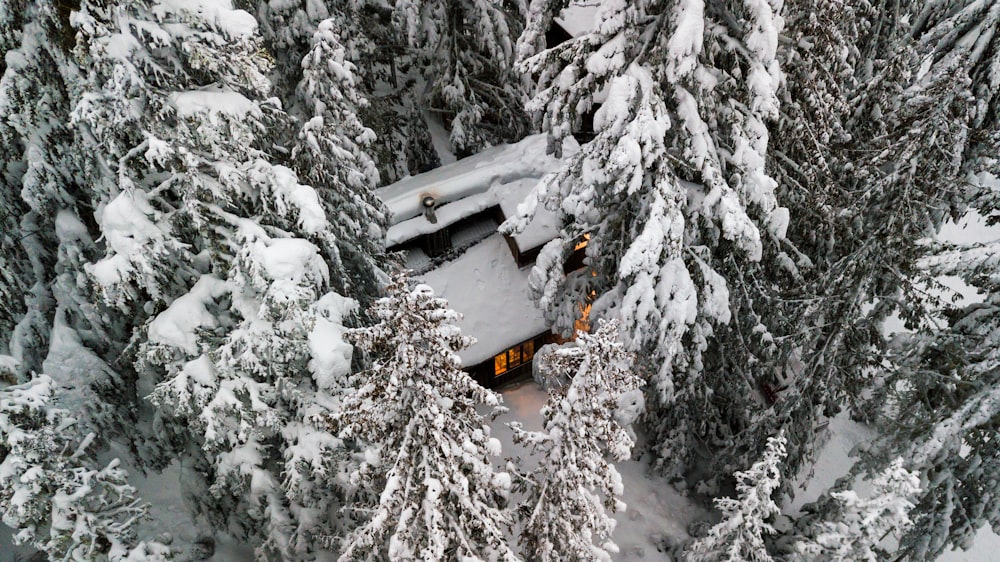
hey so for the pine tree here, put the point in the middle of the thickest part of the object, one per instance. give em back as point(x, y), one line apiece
point(465, 55)
point(365, 31)
point(403, 144)
point(52, 490)
point(331, 155)
point(671, 195)
point(564, 513)
point(940, 406)
point(428, 450)
point(221, 257)
point(51, 322)
point(40, 168)
point(858, 177)
point(739, 537)
point(937, 399)
point(860, 524)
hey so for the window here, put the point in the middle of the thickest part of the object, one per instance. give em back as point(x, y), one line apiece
point(514, 355)
point(500, 364)
point(520, 354)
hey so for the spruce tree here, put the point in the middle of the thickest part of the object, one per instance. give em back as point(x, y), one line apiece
point(857, 525)
point(940, 405)
point(223, 260)
point(568, 494)
point(428, 449)
point(464, 53)
point(864, 102)
point(672, 195)
point(739, 536)
point(331, 154)
point(53, 492)
point(366, 32)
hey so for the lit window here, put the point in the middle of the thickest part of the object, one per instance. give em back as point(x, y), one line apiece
point(529, 350)
point(514, 355)
point(582, 243)
point(500, 364)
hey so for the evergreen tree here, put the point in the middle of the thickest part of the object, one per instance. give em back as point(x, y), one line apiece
point(739, 537)
point(217, 253)
point(465, 55)
point(384, 96)
point(858, 525)
point(331, 155)
point(52, 490)
point(671, 196)
point(403, 144)
point(428, 449)
point(941, 407)
point(564, 513)
point(863, 105)
point(41, 170)
point(935, 132)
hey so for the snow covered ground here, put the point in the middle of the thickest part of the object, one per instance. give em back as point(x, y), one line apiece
point(656, 512)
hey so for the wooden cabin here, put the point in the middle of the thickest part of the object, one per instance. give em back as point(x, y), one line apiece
point(445, 222)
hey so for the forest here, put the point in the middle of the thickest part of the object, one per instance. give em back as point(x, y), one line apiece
point(194, 275)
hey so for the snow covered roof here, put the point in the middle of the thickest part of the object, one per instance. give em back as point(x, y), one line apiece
point(486, 286)
point(484, 283)
point(501, 175)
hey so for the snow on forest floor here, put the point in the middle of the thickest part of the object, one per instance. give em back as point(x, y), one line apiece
point(656, 512)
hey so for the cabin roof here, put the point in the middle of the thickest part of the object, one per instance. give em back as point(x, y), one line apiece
point(485, 285)
point(468, 179)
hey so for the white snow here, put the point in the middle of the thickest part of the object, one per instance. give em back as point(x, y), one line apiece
point(8, 367)
point(655, 514)
point(219, 13)
point(486, 286)
point(474, 175)
point(292, 259)
point(128, 230)
point(445, 215)
point(213, 100)
point(579, 17)
point(439, 138)
point(176, 326)
point(331, 355)
point(544, 226)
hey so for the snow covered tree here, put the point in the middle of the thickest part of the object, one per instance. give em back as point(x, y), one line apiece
point(223, 260)
point(671, 195)
point(403, 145)
point(739, 537)
point(52, 490)
point(48, 232)
point(40, 168)
point(465, 55)
point(858, 525)
point(927, 113)
point(941, 405)
point(865, 99)
point(366, 32)
point(331, 155)
point(287, 29)
point(428, 450)
point(564, 512)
